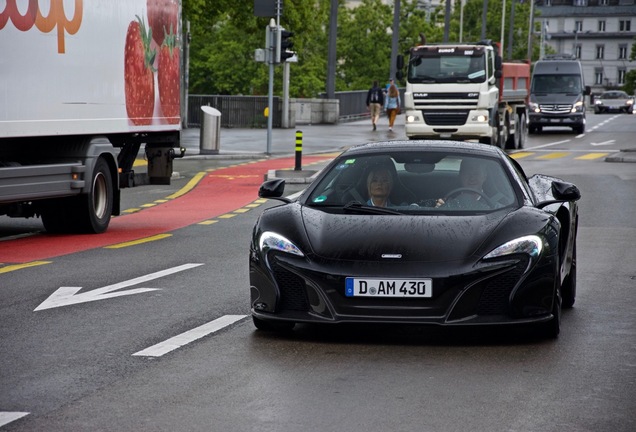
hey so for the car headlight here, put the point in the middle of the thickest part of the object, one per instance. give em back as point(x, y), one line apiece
point(271, 240)
point(577, 106)
point(534, 107)
point(630, 102)
point(531, 245)
point(598, 102)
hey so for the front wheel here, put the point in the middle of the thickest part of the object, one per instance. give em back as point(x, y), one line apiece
point(95, 208)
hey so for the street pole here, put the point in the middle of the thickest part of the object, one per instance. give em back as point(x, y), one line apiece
point(461, 20)
point(395, 38)
point(331, 54)
point(530, 31)
point(285, 117)
point(447, 21)
point(270, 94)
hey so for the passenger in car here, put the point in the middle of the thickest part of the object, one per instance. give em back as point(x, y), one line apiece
point(379, 185)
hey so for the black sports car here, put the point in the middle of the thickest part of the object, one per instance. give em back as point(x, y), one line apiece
point(426, 232)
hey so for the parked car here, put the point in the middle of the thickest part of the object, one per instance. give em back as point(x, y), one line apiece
point(614, 101)
point(445, 251)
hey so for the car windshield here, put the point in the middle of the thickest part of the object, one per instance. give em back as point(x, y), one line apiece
point(614, 95)
point(556, 84)
point(412, 183)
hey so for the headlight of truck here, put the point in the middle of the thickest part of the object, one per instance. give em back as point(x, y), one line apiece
point(271, 240)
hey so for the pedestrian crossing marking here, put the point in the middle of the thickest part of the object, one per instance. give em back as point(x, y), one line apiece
point(521, 155)
point(592, 156)
point(554, 155)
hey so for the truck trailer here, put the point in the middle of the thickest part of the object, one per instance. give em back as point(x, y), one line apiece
point(465, 92)
point(84, 85)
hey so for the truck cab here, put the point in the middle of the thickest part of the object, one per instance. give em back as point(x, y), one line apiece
point(557, 94)
point(458, 91)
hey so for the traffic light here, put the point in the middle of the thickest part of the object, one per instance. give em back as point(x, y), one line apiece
point(284, 45)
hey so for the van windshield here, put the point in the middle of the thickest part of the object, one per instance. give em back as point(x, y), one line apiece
point(556, 84)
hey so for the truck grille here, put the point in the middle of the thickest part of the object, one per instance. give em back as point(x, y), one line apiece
point(556, 109)
point(445, 118)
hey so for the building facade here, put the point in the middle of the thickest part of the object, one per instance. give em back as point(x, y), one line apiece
point(600, 33)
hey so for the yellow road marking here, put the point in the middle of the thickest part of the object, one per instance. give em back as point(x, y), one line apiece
point(140, 241)
point(14, 267)
point(554, 155)
point(591, 156)
point(253, 205)
point(241, 210)
point(227, 216)
point(208, 222)
point(140, 162)
point(188, 187)
point(521, 155)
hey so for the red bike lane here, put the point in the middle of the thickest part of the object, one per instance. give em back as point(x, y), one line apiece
point(218, 192)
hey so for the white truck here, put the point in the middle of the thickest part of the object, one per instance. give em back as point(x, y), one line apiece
point(465, 92)
point(83, 85)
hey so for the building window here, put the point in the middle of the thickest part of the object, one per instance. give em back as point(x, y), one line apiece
point(601, 26)
point(603, 2)
point(600, 52)
point(578, 26)
point(621, 76)
point(624, 25)
point(598, 76)
point(577, 51)
point(622, 52)
point(580, 2)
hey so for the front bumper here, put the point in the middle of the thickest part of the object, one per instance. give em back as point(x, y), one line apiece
point(542, 119)
point(501, 292)
point(466, 124)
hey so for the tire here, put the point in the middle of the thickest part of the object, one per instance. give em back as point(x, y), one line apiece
point(88, 213)
point(522, 129)
point(95, 208)
point(513, 140)
point(579, 129)
point(504, 134)
point(568, 289)
point(273, 326)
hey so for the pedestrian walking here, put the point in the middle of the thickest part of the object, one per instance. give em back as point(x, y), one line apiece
point(375, 100)
point(392, 104)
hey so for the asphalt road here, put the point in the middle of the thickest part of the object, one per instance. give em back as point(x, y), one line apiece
point(111, 363)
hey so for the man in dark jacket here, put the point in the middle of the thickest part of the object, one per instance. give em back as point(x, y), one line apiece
point(375, 101)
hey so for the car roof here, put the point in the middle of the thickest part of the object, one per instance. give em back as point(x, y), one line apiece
point(614, 92)
point(425, 145)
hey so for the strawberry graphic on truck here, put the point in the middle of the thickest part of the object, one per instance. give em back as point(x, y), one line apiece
point(72, 73)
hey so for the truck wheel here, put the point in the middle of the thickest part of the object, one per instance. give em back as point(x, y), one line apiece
point(95, 208)
point(83, 213)
point(522, 130)
point(513, 139)
point(504, 134)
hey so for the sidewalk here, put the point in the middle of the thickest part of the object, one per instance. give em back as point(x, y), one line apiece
point(246, 143)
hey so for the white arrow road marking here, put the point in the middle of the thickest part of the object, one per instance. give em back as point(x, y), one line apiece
point(610, 142)
point(8, 417)
point(191, 335)
point(65, 296)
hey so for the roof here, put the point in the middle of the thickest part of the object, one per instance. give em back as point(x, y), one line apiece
point(432, 145)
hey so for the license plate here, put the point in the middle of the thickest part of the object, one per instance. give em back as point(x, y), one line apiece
point(379, 287)
point(555, 120)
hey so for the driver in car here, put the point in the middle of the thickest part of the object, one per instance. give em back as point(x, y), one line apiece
point(471, 195)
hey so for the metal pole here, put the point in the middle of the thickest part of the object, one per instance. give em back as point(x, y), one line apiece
point(503, 25)
point(270, 92)
point(483, 19)
point(511, 29)
point(461, 20)
point(285, 117)
point(331, 54)
point(395, 37)
point(299, 151)
point(530, 31)
point(447, 20)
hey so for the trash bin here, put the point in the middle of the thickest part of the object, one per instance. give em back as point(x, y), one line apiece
point(210, 138)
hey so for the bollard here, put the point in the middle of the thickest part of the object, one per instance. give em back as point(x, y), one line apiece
point(299, 151)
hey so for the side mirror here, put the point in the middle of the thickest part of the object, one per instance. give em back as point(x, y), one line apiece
point(562, 191)
point(588, 90)
point(273, 189)
point(399, 61)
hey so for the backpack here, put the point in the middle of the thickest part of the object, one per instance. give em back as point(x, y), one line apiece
point(374, 95)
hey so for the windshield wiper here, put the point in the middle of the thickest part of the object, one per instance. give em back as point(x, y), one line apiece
point(356, 207)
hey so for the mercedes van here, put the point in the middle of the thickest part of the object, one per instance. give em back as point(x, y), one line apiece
point(557, 94)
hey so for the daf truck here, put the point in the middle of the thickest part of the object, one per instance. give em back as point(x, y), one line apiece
point(83, 86)
point(465, 92)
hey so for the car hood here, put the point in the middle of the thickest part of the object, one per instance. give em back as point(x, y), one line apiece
point(413, 238)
